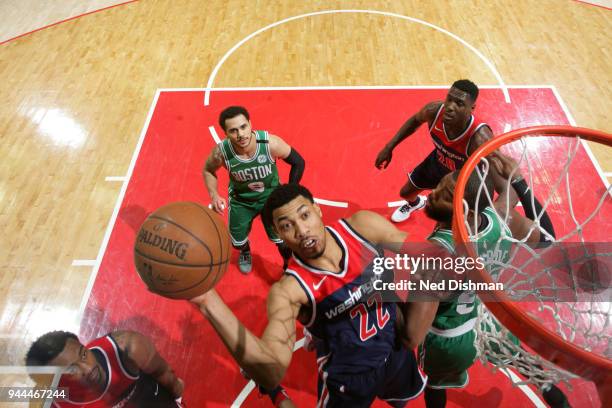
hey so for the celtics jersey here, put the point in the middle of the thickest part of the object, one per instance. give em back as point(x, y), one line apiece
point(251, 179)
point(458, 316)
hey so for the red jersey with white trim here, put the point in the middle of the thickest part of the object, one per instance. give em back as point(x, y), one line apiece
point(119, 387)
point(356, 327)
point(452, 153)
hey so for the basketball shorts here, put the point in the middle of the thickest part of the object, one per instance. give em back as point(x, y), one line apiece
point(397, 381)
point(446, 360)
point(428, 173)
point(241, 216)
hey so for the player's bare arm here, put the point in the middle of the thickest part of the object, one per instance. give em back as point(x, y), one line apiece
point(265, 359)
point(426, 114)
point(418, 317)
point(378, 230)
point(140, 355)
point(483, 135)
point(213, 163)
point(279, 148)
point(507, 198)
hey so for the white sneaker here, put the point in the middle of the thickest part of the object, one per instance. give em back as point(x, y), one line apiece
point(403, 213)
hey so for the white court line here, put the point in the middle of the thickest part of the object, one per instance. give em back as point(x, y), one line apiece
point(331, 203)
point(114, 178)
point(84, 262)
point(111, 222)
point(250, 386)
point(608, 174)
point(584, 143)
point(214, 134)
point(507, 127)
point(30, 370)
point(526, 389)
point(488, 63)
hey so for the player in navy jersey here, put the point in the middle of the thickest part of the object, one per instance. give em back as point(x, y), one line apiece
point(121, 369)
point(455, 132)
point(328, 286)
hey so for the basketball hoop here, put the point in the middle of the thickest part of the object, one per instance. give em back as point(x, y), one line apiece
point(554, 344)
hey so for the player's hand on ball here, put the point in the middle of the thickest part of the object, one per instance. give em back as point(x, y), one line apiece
point(219, 204)
point(384, 158)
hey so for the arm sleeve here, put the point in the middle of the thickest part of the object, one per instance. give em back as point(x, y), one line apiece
point(297, 166)
point(532, 209)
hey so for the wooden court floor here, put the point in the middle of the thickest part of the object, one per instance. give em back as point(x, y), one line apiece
point(75, 97)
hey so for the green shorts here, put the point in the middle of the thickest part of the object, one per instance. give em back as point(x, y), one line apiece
point(446, 360)
point(241, 215)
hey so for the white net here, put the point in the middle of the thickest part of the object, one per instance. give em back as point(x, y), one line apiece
point(564, 286)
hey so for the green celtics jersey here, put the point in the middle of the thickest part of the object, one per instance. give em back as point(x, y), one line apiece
point(251, 179)
point(458, 316)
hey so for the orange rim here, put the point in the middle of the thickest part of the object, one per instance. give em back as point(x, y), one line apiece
point(543, 341)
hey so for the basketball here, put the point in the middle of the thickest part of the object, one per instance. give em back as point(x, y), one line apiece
point(182, 250)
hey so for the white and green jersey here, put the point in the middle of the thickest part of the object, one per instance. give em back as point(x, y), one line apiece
point(251, 179)
point(457, 317)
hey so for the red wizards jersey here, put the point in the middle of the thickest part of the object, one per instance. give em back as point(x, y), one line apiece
point(120, 384)
point(452, 153)
point(356, 327)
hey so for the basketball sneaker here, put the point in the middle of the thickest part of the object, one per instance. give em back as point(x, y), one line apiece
point(245, 262)
point(403, 212)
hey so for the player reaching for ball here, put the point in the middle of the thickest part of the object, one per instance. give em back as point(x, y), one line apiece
point(328, 287)
point(121, 369)
point(250, 158)
point(455, 132)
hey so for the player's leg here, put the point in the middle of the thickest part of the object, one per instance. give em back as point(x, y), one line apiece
point(552, 394)
point(403, 381)
point(425, 176)
point(240, 217)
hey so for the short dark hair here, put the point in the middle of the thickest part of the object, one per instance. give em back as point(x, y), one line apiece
point(232, 112)
point(472, 187)
point(468, 87)
point(47, 347)
point(281, 196)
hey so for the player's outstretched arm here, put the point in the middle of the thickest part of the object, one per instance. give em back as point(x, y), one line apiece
point(479, 138)
point(378, 230)
point(508, 168)
point(264, 359)
point(426, 114)
point(507, 198)
point(139, 354)
point(279, 148)
point(214, 163)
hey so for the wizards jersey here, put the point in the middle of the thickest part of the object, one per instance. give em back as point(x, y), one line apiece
point(452, 153)
point(356, 327)
point(120, 384)
point(251, 179)
point(459, 315)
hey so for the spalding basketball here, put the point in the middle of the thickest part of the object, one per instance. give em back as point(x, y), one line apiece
point(182, 250)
